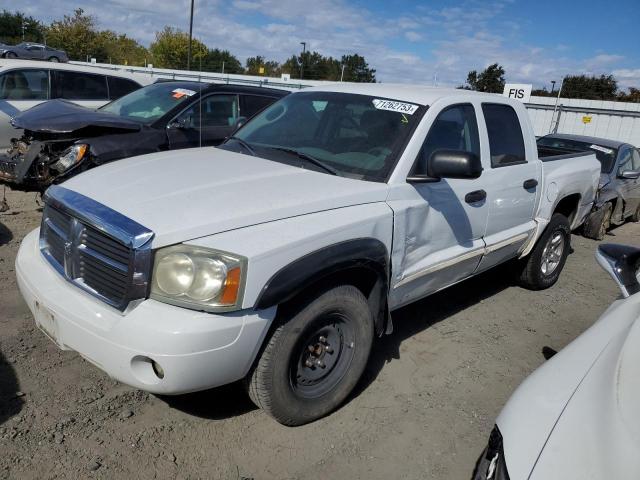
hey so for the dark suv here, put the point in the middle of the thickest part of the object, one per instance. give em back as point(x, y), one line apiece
point(62, 139)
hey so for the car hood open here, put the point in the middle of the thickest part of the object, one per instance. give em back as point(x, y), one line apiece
point(62, 116)
point(187, 194)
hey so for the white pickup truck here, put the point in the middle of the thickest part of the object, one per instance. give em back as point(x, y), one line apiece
point(279, 256)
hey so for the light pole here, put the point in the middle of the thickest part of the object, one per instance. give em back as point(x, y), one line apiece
point(553, 85)
point(190, 35)
point(304, 49)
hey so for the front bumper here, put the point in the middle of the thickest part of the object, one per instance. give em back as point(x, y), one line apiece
point(195, 350)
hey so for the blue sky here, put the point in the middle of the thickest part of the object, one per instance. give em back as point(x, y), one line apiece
point(419, 42)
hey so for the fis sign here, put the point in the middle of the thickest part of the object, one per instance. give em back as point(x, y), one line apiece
point(519, 91)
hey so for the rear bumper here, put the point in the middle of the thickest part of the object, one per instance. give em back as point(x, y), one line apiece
point(195, 350)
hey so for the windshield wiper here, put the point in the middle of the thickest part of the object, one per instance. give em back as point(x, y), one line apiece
point(308, 158)
point(244, 144)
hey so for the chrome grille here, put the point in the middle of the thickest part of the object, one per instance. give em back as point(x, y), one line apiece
point(96, 248)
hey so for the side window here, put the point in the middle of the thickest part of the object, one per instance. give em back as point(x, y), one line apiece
point(626, 157)
point(635, 163)
point(81, 86)
point(24, 85)
point(119, 87)
point(252, 104)
point(455, 128)
point(213, 111)
point(506, 142)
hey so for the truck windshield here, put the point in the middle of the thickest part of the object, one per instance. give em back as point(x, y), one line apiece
point(605, 155)
point(148, 104)
point(357, 136)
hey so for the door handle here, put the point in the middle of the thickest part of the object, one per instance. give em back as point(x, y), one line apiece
point(476, 196)
point(531, 183)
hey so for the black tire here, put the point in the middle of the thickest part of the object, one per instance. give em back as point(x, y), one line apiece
point(54, 59)
point(542, 267)
point(599, 222)
point(10, 55)
point(636, 215)
point(295, 392)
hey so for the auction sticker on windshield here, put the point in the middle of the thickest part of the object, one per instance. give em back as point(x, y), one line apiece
point(390, 105)
point(182, 92)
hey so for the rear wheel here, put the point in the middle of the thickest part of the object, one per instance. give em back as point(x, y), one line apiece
point(314, 358)
point(541, 269)
point(599, 222)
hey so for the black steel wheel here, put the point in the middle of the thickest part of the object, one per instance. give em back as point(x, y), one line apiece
point(314, 357)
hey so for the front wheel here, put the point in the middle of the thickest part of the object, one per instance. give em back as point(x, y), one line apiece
point(314, 358)
point(599, 222)
point(541, 269)
point(54, 59)
point(11, 55)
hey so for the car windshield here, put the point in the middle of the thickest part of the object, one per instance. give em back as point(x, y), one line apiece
point(605, 155)
point(357, 136)
point(148, 104)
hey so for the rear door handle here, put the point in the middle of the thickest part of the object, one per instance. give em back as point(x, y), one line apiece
point(476, 196)
point(531, 183)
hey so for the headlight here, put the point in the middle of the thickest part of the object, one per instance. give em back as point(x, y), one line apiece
point(70, 157)
point(198, 278)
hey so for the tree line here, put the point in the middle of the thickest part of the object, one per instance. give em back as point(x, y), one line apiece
point(80, 36)
point(603, 87)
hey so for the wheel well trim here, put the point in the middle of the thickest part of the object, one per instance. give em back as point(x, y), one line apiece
point(296, 276)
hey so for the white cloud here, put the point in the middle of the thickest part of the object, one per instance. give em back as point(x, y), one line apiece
point(413, 46)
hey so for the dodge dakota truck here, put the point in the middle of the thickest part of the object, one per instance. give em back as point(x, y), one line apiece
point(277, 257)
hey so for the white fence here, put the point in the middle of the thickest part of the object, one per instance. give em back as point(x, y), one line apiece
point(612, 120)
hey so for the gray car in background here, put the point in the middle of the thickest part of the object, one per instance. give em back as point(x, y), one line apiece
point(618, 197)
point(33, 51)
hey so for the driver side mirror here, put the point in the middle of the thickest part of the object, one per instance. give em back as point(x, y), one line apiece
point(180, 123)
point(629, 174)
point(450, 164)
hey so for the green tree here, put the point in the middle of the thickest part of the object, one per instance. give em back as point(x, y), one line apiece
point(490, 80)
point(77, 35)
point(171, 46)
point(120, 49)
point(357, 69)
point(11, 28)
point(632, 96)
point(270, 68)
point(214, 59)
point(604, 87)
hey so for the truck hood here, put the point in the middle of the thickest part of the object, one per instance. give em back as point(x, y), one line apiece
point(62, 116)
point(188, 194)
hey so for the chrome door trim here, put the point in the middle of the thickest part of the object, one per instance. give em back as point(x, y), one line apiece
point(465, 256)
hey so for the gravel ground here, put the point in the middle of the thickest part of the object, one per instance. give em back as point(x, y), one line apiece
point(423, 410)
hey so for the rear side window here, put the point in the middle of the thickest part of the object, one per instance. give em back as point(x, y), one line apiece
point(119, 87)
point(81, 86)
point(252, 104)
point(455, 128)
point(506, 142)
point(24, 85)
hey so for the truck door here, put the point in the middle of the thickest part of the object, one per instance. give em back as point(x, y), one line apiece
point(628, 188)
point(205, 123)
point(513, 179)
point(439, 225)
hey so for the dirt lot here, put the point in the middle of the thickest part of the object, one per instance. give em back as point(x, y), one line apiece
point(424, 409)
